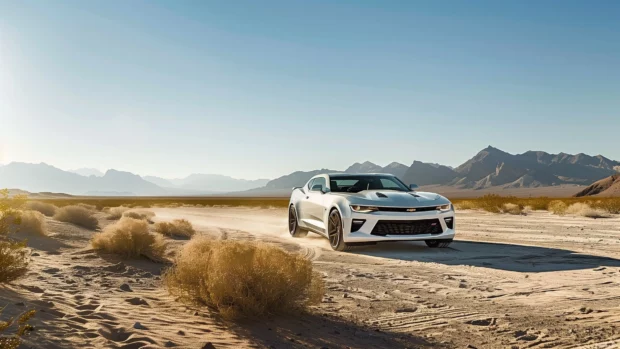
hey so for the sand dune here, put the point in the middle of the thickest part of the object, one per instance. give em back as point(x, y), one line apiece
point(509, 281)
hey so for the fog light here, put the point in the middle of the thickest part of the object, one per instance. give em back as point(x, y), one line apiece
point(356, 224)
point(449, 222)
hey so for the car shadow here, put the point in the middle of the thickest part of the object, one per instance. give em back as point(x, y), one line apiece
point(501, 256)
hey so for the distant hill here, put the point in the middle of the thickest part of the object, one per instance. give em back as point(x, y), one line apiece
point(609, 186)
point(208, 182)
point(46, 178)
point(422, 173)
point(87, 172)
point(395, 168)
point(366, 167)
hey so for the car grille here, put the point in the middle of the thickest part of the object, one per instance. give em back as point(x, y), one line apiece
point(407, 209)
point(418, 227)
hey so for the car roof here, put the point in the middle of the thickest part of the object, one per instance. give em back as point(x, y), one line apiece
point(336, 175)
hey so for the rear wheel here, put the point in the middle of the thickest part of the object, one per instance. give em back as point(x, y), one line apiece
point(293, 224)
point(438, 243)
point(334, 232)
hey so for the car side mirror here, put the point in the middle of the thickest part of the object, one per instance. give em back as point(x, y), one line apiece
point(413, 186)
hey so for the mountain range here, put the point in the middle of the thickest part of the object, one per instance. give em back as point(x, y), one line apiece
point(208, 182)
point(489, 168)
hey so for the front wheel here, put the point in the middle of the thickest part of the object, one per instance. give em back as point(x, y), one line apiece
point(438, 243)
point(293, 224)
point(334, 232)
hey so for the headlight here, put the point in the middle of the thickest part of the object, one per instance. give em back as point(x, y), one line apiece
point(444, 208)
point(363, 209)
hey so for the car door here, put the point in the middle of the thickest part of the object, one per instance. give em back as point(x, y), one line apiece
point(314, 205)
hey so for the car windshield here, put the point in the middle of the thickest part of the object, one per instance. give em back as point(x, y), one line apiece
point(355, 184)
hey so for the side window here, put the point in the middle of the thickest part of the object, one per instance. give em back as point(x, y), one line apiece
point(319, 181)
point(310, 184)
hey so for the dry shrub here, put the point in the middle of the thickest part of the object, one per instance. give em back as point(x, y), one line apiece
point(13, 260)
point(538, 204)
point(583, 209)
point(129, 238)
point(143, 215)
point(13, 255)
point(609, 205)
point(18, 329)
point(513, 209)
point(465, 205)
point(88, 206)
point(244, 279)
point(178, 227)
point(77, 215)
point(43, 207)
point(31, 222)
point(116, 212)
point(557, 207)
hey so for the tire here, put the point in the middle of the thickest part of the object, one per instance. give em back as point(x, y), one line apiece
point(438, 243)
point(334, 232)
point(293, 224)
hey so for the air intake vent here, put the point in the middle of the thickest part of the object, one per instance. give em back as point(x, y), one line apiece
point(418, 227)
point(381, 195)
point(414, 195)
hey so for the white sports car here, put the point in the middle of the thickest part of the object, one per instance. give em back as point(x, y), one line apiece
point(363, 209)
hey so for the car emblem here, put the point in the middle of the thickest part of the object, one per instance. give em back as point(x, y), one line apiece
point(411, 210)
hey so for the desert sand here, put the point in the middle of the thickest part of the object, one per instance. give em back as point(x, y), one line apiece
point(536, 281)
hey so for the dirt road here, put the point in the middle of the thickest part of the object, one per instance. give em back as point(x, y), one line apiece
point(536, 281)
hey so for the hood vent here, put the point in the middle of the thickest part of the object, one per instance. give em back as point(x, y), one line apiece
point(381, 195)
point(414, 195)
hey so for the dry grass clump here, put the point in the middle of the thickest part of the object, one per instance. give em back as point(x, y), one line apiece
point(513, 209)
point(178, 227)
point(144, 215)
point(465, 205)
point(557, 207)
point(13, 255)
point(130, 238)
point(116, 212)
point(88, 206)
point(13, 260)
point(495, 203)
point(244, 279)
point(31, 222)
point(19, 327)
point(77, 215)
point(608, 205)
point(146, 202)
point(43, 207)
point(583, 209)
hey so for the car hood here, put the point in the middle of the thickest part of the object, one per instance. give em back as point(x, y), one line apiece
point(391, 198)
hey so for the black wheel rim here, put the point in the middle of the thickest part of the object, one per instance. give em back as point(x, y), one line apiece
point(292, 220)
point(334, 229)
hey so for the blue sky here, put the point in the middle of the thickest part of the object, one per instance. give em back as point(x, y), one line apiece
point(257, 89)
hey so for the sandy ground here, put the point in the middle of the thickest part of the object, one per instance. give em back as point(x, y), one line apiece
point(536, 281)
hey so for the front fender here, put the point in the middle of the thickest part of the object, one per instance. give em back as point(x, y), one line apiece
point(339, 203)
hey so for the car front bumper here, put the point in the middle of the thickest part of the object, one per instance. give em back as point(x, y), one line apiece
point(365, 232)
